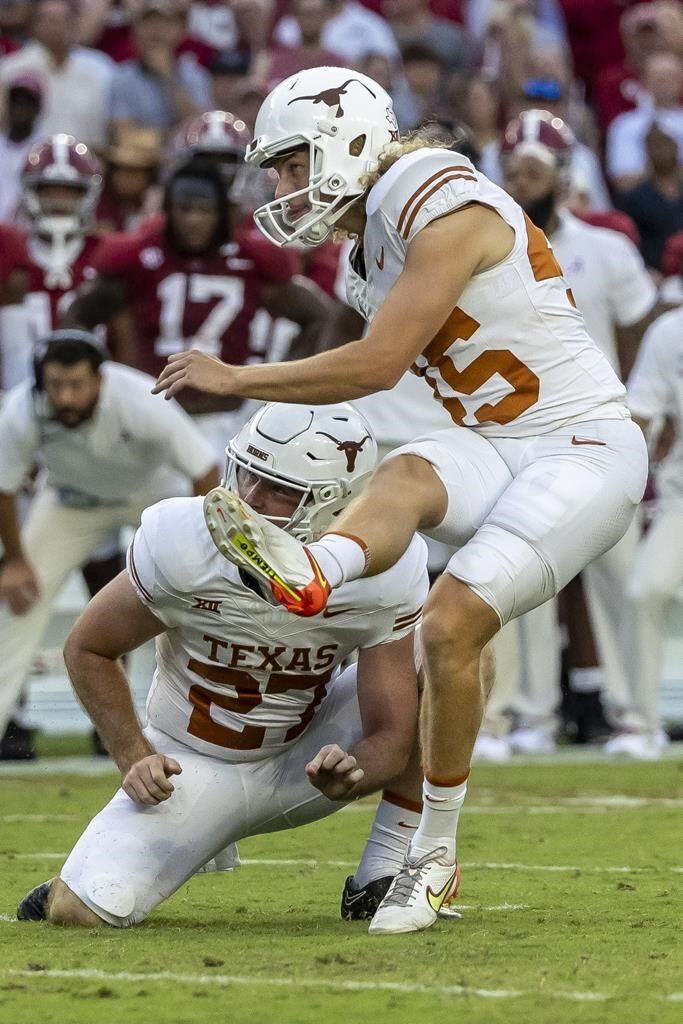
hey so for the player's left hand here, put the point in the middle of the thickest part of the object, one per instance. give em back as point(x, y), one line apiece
point(148, 780)
point(194, 369)
point(335, 773)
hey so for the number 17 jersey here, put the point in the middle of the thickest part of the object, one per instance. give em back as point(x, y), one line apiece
point(181, 301)
point(513, 358)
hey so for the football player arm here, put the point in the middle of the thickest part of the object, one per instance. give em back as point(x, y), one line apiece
point(19, 585)
point(388, 702)
point(629, 337)
point(114, 623)
point(96, 302)
point(412, 314)
point(203, 484)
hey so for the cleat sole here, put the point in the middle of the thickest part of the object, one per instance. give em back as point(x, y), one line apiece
point(238, 537)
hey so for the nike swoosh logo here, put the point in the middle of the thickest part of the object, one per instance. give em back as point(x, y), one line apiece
point(435, 899)
point(349, 900)
point(404, 824)
point(330, 613)
point(379, 260)
point(581, 440)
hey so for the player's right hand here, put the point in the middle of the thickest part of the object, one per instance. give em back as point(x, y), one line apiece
point(19, 586)
point(147, 782)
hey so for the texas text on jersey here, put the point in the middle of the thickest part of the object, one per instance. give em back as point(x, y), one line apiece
point(236, 677)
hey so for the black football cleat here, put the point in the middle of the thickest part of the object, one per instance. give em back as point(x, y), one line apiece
point(17, 743)
point(33, 907)
point(361, 904)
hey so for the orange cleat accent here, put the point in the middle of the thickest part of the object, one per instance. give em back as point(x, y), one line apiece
point(308, 600)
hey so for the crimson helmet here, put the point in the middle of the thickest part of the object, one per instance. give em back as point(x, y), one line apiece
point(60, 160)
point(216, 134)
point(539, 133)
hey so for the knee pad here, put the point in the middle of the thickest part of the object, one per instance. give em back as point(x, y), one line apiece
point(505, 571)
point(112, 899)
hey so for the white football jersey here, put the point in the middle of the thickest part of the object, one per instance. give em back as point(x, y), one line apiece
point(513, 358)
point(607, 276)
point(655, 389)
point(236, 677)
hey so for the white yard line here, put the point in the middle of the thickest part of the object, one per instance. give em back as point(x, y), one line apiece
point(10, 818)
point(473, 865)
point(222, 980)
point(568, 805)
point(84, 765)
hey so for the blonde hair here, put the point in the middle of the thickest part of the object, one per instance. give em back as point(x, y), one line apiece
point(392, 152)
point(395, 150)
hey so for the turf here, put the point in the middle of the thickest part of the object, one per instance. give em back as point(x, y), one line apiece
point(265, 944)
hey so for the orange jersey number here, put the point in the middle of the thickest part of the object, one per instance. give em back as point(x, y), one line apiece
point(247, 697)
point(460, 326)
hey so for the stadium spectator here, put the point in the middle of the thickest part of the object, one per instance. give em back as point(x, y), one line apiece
point(229, 74)
point(423, 99)
point(158, 89)
point(411, 22)
point(77, 80)
point(543, 18)
point(107, 446)
point(22, 110)
point(350, 30)
point(626, 152)
point(283, 61)
point(14, 20)
point(647, 28)
point(656, 204)
point(478, 105)
point(131, 169)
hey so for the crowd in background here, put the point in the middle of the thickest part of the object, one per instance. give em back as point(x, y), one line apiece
point(603, 80)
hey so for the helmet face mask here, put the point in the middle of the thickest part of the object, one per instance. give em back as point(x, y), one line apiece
point(344, 119)
point(316, 225)
point(61, 161)
point(304, 451)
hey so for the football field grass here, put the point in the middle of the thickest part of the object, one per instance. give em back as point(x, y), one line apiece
point(570, 900)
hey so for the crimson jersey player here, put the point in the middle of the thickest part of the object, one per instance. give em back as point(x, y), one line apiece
point(188, 280)
point(15, 265)
point(61, 183)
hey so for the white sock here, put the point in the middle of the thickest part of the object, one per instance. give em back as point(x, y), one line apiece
point(393, 828)
point(587, 680)
point(439, 821)
point(340, 558)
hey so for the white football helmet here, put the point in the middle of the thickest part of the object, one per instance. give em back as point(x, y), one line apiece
point(325, 452)
point(345, 119)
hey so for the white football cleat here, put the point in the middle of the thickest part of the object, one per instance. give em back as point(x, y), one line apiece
point(253, 543)
point(417, 894)
point(639, 746)
point(491, 749)
point(227, 860)
point(530, 740)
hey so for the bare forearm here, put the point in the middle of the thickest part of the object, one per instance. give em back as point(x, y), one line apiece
point(10, 536)
point(203, 484)
point(383, 757)
point(102, 688)
point(335, 376)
